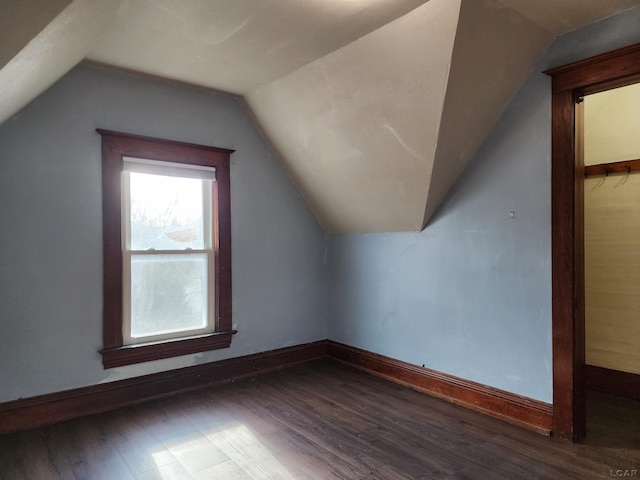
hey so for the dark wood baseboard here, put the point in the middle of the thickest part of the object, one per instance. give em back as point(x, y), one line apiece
point(515, 409)
point(47, 409)
point(611, 381)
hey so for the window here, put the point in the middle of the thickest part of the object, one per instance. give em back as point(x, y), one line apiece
point(167, 248)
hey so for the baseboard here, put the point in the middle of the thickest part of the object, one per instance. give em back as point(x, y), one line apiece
point(525, 412)
point(47, 409)
point(611, 381)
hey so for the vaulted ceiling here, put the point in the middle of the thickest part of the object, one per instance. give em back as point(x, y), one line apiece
point(374, 107)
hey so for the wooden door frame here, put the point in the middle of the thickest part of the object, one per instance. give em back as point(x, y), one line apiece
point(569, 83)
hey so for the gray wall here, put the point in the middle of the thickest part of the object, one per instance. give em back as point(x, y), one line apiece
point(51, 230)
point(471, 294)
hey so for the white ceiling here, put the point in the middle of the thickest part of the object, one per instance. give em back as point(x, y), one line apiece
point(371, 105)
point(236, 45)
point(562, 16)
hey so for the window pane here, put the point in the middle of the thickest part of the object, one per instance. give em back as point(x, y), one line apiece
point(166, 212)
point(168, 293)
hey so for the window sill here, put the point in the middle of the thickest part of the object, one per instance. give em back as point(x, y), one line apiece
point(145, 352)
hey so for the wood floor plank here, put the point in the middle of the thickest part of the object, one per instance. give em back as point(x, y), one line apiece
point(386, 429)
point(141, 451)
point(87, 449)
point(173, 471)
point(223, 471)
point(326, 424)
point(317, 421)
point(299, 450)
point(198, 453)
point(33, 461)
point(306, 459)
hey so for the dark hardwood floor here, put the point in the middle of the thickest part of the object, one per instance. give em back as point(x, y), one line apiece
point(315, 421)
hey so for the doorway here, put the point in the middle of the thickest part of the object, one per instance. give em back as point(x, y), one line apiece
point(608, 139)
point(610, 135)
point(569, 84)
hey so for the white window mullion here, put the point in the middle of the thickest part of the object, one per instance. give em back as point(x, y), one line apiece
point(126, 257)
point(207, 197)
point(126, 211)
point(126, 297)
point(168, 252)
point(142, 165)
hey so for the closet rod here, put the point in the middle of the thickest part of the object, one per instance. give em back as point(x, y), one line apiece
point(626, 166)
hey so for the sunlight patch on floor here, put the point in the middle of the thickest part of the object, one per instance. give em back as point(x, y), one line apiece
point(232, 453)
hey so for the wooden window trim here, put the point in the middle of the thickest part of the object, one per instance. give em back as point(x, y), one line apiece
point(115, 145)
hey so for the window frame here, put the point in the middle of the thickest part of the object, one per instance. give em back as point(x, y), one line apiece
point(206, 179)
point(115, 146)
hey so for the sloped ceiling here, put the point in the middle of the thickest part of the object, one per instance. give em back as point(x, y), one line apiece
point(357, 129)
point(236, 45)
point(374, 107)
point(53, 49)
